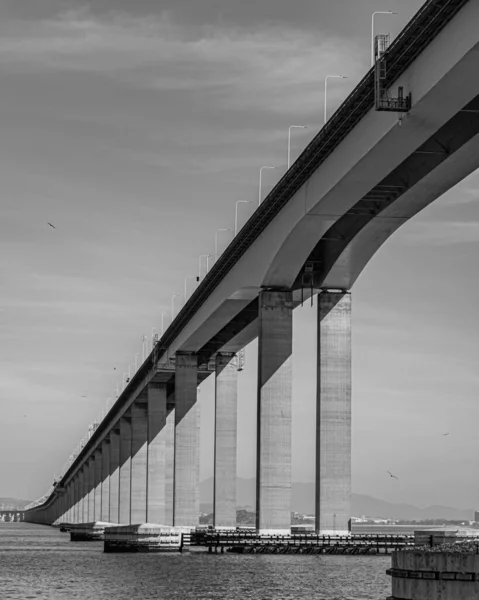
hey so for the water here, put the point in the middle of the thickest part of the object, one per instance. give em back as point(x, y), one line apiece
point(40, 562)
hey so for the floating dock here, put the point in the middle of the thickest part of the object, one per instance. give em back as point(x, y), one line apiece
point(147, 537)
point(88, 532)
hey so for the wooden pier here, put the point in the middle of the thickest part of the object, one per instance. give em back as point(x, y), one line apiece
point(247, 542)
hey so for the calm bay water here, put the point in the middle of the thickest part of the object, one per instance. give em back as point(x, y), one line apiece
point(40, 562)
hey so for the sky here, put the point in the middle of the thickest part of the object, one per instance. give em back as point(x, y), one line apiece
point(134, 127)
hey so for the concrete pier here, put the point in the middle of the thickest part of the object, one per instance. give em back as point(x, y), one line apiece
point(273, 457)
point(91, 489)
point(170, 459)
point(226, 400)
point(84, 493)
point(186, 505)
point(105, 483)
point(125, 470)
point(98, 477)
point(114, 499)
point(156, 501)
point(333, 414)
point(139, 460)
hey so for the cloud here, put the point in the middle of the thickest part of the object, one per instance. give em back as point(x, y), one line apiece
point(278, 68)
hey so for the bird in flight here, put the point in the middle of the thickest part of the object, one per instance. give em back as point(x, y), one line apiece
point(393, 476)
point(446, 433)
point(82, 396)
point(48, 223)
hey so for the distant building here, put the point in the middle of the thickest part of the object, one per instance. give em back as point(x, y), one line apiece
point(476, 516)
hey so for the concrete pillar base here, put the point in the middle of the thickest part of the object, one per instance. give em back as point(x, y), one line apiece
point(333, 413)
point(186, 503)
point(226, 399)
point(273, 456)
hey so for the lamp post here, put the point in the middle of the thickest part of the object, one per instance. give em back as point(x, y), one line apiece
point(326, 93)
point(208, 262)
point(153, 329)
point(289, 140)
point(173, 306)
point(377, 12)
point(163, 322)
point(136, 361)
point(144, 348)
point(207, 256)
point(216, 240)
point(236, 212)
point(261, 180)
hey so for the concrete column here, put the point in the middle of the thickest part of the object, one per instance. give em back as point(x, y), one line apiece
point(186, 505)
point(84, 494)
point(273, 460)
point(105, 481)
point(125, 470)
point(139, 463)
point(91, 489)
point(76, 513)
point(170, 458)
point(83, 501)
point(333, 414)
point(226, 399)
point(69, 515)
point(156, 501)
point(98, 474)
point(114, 475)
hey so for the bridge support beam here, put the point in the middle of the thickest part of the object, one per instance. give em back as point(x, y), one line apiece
point(77, 513)
point(226, 399)
point(273, 457)
point(139, 463)
point(186, 504)
point(157, 441)
point(125, 470)
point(91, 489)
point(98, 475)
point(105, 481)
point(333, 414)
point(114, 476)
point(170, 458)
point(84, 493)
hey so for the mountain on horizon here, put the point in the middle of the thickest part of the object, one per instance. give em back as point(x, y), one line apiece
point(361, 504)
point(13, 504)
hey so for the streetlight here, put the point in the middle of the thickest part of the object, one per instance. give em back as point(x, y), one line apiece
point(216, 240)
point(144, 348)
point(136, 361)
point(289, 140)
point(186, 285)
point(163, 322)
point(173, 306)
point(377, 12)
point(208, 263)
point(261, 180)
point(326, 93)
point(236, 212)
point(207, 256)
point(153, 329)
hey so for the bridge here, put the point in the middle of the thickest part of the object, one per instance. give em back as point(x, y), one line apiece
point(406, 134)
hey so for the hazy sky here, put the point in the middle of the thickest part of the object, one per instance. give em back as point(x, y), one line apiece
point(134, 127)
